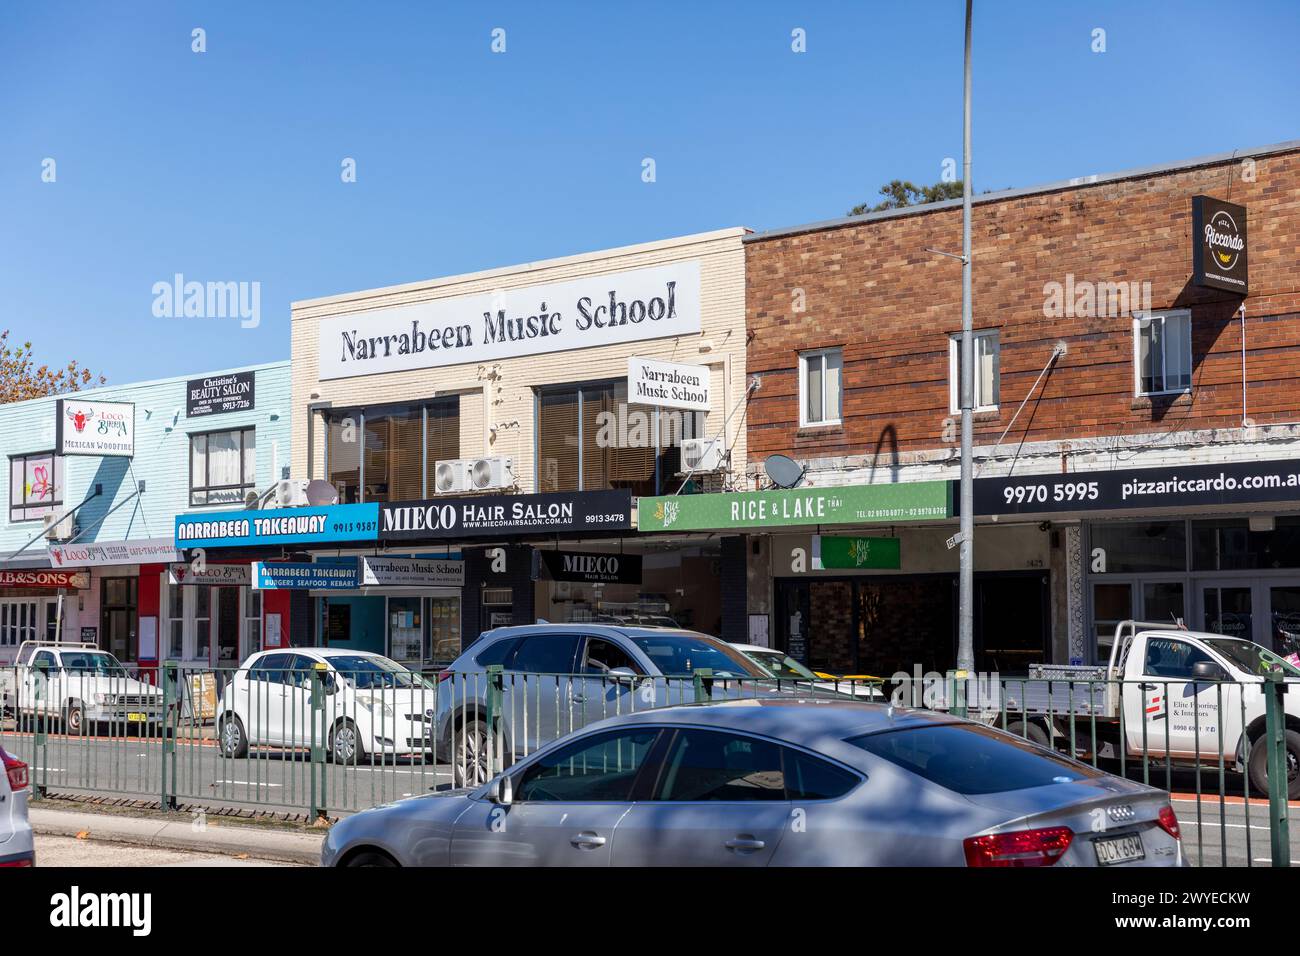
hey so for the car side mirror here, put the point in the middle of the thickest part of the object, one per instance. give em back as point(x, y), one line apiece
point(622, 674)
point(501, 791)
point(1208, 671)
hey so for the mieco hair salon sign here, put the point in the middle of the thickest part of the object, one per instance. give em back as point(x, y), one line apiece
point(578, 313)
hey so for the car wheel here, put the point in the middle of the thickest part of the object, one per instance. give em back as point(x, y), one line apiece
point(74, 721)
point(1031, 731)
point(372, 859)
point(470, 766)
point(345, 744)
point(231, 739)
point(1259, 765)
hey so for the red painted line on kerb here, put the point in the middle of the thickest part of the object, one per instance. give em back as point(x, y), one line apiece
point(1234, 801)
point(99, 739)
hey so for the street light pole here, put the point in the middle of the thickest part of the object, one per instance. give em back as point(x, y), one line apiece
point(966, 584)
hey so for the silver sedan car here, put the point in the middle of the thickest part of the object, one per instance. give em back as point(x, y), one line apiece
point(777, 782)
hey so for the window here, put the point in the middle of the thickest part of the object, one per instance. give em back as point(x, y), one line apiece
point(252, 620)
point(602, 657)
point(973, 759)
point(223, 467)
point(495, 652)
point(119, 618)
point(174, 628)
point(1172, 659)
point(35, 486)
point(1138, 546)
point(545, 654)
point(988, 364)
point(807, 778)
point(589, 437)
point(386, 453)
point(1162, 352)
point(270, 669)
point(820, 387)
point(601, 768)
point(712, 765)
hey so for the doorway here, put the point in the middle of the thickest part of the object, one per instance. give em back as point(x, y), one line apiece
point(119, 617)
point(1264, 611)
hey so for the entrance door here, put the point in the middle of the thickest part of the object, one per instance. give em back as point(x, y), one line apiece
point(1011, 629)
point(227, 624)
point(118, 617)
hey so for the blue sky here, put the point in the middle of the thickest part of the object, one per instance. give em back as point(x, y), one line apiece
point(225, 166)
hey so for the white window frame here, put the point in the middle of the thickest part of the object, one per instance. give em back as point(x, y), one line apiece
point(804, 421)
point(1147, 317)
point(954, 370)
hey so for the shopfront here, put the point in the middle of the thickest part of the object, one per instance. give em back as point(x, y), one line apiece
point(30, 602)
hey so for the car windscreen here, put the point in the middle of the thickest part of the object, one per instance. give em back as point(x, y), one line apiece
point(1250, 657)
point(88, 662)
point(973, 759)
point(782, 666)
point(681, 655)
point(369, 673)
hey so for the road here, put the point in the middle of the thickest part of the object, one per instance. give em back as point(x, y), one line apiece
point(69, 851)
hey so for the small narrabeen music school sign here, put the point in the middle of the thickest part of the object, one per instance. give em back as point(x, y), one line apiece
point(1220, 247)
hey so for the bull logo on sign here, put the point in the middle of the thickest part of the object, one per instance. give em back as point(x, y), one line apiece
point(79, 419)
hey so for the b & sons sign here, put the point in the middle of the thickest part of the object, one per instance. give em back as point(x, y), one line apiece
point(578, 313)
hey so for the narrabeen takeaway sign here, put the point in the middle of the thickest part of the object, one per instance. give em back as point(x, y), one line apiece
point(578, 313)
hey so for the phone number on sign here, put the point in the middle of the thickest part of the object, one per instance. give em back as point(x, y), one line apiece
point(606, 519)
point(1064, 491)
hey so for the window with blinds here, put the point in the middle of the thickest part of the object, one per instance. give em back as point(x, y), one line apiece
point(590, 438)
point(384, 458)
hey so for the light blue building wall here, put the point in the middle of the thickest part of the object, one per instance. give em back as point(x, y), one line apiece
point(162, 450)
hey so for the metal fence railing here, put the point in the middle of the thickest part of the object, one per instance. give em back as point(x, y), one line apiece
point(324, 740)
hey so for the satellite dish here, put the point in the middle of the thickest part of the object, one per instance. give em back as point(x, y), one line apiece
point(783, 470)
point(320, 492)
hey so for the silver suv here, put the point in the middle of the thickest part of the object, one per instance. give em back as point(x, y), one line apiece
point(557, 678)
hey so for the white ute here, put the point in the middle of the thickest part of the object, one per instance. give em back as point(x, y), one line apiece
point(77, 684)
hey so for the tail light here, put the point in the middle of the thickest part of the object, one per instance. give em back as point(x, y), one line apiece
point(1019, 848)
point(24, 861)
point(444, 675)
point(1169, 822)
point(15, 770)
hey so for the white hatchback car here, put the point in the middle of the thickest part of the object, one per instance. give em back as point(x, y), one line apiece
point(16, 845)
point(368, 705)
point(786, 668)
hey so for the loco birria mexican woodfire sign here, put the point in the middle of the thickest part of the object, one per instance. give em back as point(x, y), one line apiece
point(848, 504)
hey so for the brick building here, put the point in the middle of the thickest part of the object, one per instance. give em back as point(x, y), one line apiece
point(1135, 431)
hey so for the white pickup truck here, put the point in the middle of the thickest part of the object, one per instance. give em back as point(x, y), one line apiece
point(77, 684)
point(1186, 697)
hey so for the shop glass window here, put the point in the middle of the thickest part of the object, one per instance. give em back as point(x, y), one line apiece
point(1162, 349)
point(1111, 603)
point(1231, 545)
point(820, 386)
point(174, 603)
point(598, 768)
point(988, 365)
point(252, 620)
point(1140, 546)
point(202, 622)
point(223, 467)
point(390, 449)
point(714, 765)
point(590, 438)
point(35, 486)
point(1162, 602)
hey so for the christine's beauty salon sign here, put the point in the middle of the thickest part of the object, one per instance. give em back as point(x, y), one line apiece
point(579, 313)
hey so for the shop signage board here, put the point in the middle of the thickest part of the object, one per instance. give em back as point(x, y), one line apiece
point(382, 571)
point(217, 394)
point(1220, 249)
point(102, 553)
point(847, 504)
point(1140, 489)
point(838, 553)
point(103, 429)
point(210, 575)
point(233, 529)
point(589, 567)
point(667, 384)
point(504, 515)
point(300, 575)
point(594, 310)
point(44, 578)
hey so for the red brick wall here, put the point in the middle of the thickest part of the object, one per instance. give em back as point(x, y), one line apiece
point(874, 290)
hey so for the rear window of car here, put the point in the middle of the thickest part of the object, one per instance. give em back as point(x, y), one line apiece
point(972, 758)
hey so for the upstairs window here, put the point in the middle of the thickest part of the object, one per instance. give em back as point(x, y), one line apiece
point(223, 467)
point(820, 387)
point(1162, 352)
point(988, 372)
point(35, 486)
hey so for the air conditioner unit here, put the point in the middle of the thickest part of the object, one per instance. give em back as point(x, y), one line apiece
point(291, 493)
point(488, 473)
point(702, 454)
point(59, 530)
point(451, 476)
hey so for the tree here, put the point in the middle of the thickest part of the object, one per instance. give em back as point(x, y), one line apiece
point(899, 193)
point(21, 378)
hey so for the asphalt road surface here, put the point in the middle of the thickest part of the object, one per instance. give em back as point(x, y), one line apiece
point(69, 851)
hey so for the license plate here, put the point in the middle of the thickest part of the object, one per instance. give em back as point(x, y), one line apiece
point(140, 717)
point(1123, 849)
